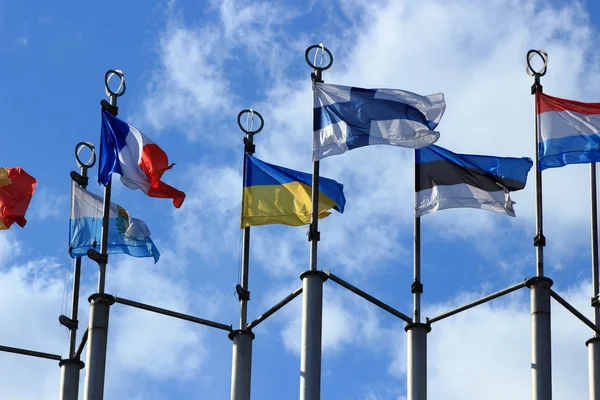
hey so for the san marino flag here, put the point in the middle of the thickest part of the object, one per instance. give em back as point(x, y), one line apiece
point(126, 235)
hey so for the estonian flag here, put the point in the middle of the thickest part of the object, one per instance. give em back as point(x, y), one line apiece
point(277, 195)
point(348, 117)
point(569, 132)
point(131, 154)
point(16, 190)
point(126, 235)
point(448, 180)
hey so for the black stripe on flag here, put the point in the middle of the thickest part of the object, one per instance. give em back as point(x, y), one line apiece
point(447, 173)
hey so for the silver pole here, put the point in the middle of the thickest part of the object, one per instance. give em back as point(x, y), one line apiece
point(541, 350)
point(312, 280)
point(593, 344)
point(416, 375)
point(69, 368)
point(100, 302)
point(241, 362)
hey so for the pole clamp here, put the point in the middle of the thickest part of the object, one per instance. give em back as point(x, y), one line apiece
point(249, 147)
point(313, 234)
point(416, 287)
point(106, 106)
point(79, 179)
point(98, 257)
point(242, 293)
point(68, 322)
point(539, 240)
point(596, 301)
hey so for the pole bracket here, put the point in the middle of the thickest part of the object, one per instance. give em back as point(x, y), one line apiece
point(416, 287)
point(102, 298)
point(249, 147)
point(80, 363)
point(243, 294)
point(313, 234)
point(596, 301)
point(412, 325)
point(68, 322)
point(538, 279)
point(79, 179)
point(236, 332)
point(98, 257)
point(106, 106)
point(539, 240)
point(320, 274)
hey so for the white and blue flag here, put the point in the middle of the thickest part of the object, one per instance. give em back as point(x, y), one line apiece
point(348, 117)
point(126, 235)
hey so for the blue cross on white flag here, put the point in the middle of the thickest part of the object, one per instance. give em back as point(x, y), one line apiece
point(347, 117)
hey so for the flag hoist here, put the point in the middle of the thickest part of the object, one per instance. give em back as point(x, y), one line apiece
point(241, 370)
point(541, 349)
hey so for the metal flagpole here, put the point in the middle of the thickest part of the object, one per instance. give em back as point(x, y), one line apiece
point(541, 358)
point(100, 302)
point(241, 363)
point(69, 368)
point(593, 344)
point(417, 331)
point(312, 280)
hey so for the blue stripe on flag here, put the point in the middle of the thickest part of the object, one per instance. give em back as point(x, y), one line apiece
point(112, 140)
point(579, 149)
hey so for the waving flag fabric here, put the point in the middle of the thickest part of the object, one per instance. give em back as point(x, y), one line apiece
point(449, 180)
point(277, 195)
point(569, 132)
point(348, 117)
point(16, 190)
point(131, 154)
point(126, 235)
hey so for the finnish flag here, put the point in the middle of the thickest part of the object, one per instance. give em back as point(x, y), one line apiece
point(348, 117)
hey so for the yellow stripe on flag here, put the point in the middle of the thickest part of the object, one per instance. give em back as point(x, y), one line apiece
point(287, 204)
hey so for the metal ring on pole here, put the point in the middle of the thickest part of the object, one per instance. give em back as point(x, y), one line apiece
point(323, 51)
point(253, 113)
point(91, 161)
point(122, 87)
point(543, 55)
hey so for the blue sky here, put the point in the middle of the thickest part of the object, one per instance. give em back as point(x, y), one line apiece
point(190, 68)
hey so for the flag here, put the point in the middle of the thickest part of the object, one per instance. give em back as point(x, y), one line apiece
point(449, 180)
point(569, 132)
point(347, 117)
point(277, 195)
point(16, 189)
point(126, 235)
point(140, 162)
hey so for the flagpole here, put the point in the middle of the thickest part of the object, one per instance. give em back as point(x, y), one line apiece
point(416, 373)
point(312, 280)
point(541, 359)
point(100, 302)
point(69, 368)
point(241, 370)
point(593, 344)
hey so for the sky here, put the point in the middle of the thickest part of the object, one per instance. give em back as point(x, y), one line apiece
point(190, 67)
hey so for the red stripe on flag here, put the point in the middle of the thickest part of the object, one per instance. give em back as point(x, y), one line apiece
point(16, 196)
point(154, 162)
point(547, 103)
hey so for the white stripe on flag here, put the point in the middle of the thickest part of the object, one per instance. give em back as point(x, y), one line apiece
point(556, 125)
point(463, 196)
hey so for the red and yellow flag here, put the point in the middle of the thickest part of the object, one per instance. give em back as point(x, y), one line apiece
point(16, 189)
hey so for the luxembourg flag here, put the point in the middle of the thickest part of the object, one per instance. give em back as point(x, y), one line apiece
point(131, 154)
point(569, 132)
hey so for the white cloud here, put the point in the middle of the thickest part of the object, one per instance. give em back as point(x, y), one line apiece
point(46, 203)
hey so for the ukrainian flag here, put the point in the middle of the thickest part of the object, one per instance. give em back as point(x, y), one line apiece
point(277, 195)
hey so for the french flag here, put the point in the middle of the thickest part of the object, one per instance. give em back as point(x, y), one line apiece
point(131, 154)
point(569, 132)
